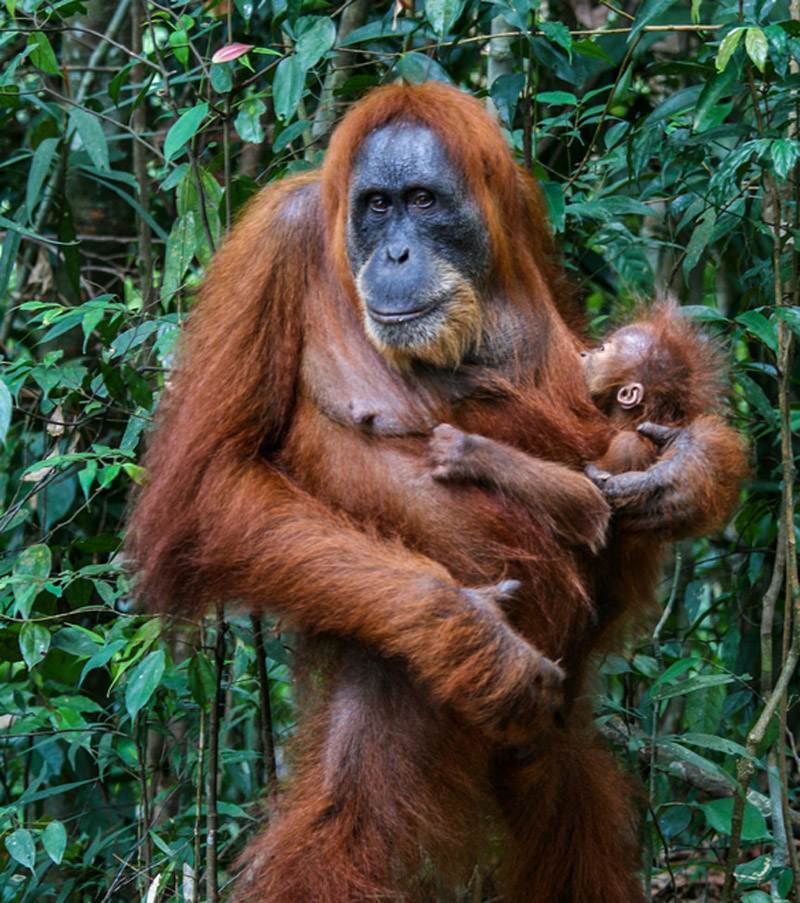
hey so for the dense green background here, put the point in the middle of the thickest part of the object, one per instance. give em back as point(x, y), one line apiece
point(664, 135)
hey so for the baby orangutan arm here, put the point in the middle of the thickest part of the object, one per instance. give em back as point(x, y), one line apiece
point(690, 489)
point(628, 450)
point(564, 501)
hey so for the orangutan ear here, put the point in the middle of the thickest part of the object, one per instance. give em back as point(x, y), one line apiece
point(631, 395)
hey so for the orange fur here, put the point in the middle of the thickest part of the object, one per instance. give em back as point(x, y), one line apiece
point(437, 716)
point(681, 370)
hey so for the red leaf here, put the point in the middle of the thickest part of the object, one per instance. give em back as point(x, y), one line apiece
point(230, 52)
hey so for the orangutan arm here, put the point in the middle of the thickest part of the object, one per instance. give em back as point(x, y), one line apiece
point(563, 501)
point(692, 487)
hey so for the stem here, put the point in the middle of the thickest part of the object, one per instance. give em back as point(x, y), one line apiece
point(139, 123)
point(144, 821)
point(53, 182)
point(659, 657)
point(768, 612)
point(501, 59)
point(527, 103)
point(212, 888)
point(267, 735)
point(190, 153)
point(198, 801)
point(745, 766)
point(598, 129)
point(353, 17)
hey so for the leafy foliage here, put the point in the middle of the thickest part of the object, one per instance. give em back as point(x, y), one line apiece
point(665, 140)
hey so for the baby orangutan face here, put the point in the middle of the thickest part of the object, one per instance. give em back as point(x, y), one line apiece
point(613, 370)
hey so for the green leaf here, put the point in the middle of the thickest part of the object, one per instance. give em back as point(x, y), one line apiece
point(674, 820)
point(682, 754)
point(181, 248)
point(21, 847)
point(104, 656)
point(75, 641)
point(138, 386)
point(728, 47)
point(6, 405)
point(756, 896)
point(54, 841)
point(442, 15)
point(40, 167)
point(116, 83)
point(175, 177)
point(699, 241)
point(135, 472)
point(615, 664)
point(34, 641)
point(113, 382)
point(755, 43)
point(91, 134)
point(201, 680)
point(757, 399)
point(712, 741)
point(557, 33)
point(417, 68)
point(721, 85)
point(179, 42)
point(757, 871)
point(645, 664)
point(703, 313)
point(693, 684)
point(790, 315)
point(557, 97)
point(221, 77)
point(505, 91)
point(680, 102)
point(554, 195)
point(719, 813)
point(288, 87)
point(315, 41)
point(233, 810)
point(144, 681)
point(674, 670)
point(592, 50)
point(784, 153)
point(703, 712)
point(8, 255)
point(184, 129)
point(287, 135)
point(132, 338)
point(33, 563)
point(106, 592)
point(42, 55)
point(758, 325)
point(380, 29)
point(248, 120)
point(86, 477)
point(109, 474)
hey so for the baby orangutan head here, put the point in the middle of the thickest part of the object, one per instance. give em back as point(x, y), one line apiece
point(617, 372)
point(660, 367)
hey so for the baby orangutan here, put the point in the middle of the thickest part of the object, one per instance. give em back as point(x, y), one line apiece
point(659, 371)
point(650, 378)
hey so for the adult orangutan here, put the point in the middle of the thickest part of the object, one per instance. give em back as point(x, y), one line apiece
point(411, 283)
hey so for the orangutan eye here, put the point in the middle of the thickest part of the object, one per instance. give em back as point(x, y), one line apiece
point(421, 199)
point(379, 203)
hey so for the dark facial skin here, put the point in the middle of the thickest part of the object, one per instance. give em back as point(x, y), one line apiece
point(411, 223)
